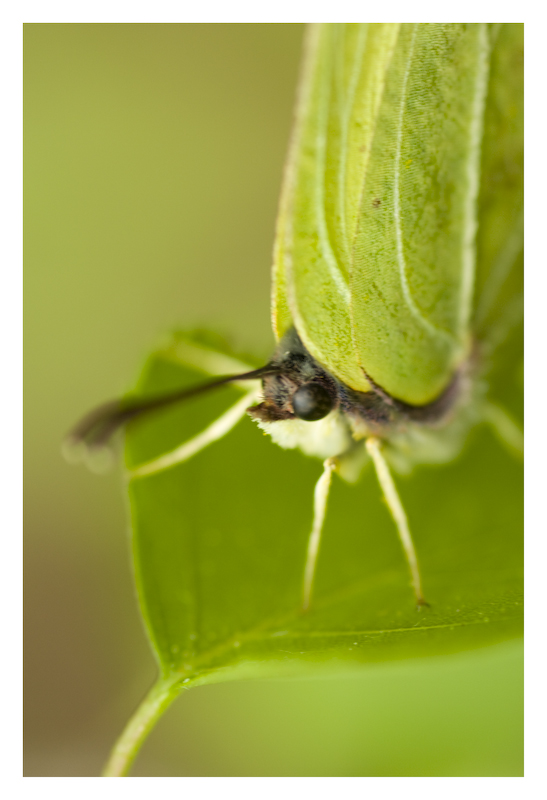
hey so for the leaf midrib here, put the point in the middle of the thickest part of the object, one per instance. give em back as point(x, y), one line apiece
point(270, 629)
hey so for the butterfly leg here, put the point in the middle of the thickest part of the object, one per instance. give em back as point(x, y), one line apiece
point(219, 428)
point(397, 511)
point(320, 497)
point(505, 428)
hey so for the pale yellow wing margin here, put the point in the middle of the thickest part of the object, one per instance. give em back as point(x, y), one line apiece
point(282, 319)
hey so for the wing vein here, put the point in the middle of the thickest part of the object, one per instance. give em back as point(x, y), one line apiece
point(344, 138)
point(322, 229)
point(472, 169)
point(413, 308)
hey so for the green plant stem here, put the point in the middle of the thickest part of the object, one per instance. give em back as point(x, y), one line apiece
point(124, 752)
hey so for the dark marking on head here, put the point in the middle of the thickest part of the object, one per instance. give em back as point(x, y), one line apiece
point(299, 387)
point(297, 370)
point(294, 368)
point(312, 401)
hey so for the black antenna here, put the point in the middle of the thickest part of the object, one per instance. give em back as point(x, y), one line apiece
point(95, 429)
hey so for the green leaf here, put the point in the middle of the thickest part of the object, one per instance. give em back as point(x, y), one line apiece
point(219, 542)
point(219, 545)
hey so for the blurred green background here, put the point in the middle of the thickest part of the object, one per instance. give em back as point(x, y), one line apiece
point(153, 161)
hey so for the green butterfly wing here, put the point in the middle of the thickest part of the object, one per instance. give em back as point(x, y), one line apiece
point(375, 246)
point(501, 199)
point(338, 99)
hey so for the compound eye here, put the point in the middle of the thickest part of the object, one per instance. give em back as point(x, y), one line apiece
point(312, 402)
